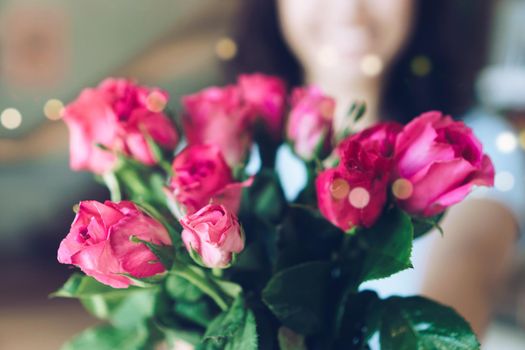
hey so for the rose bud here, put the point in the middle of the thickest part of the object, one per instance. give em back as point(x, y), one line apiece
point(310, 122)
point(267, 96)
point(212, 236)
point(201, 176)
point(120, 116)
point(438, 161)
point(354, 193)
point(219, 116)
point(100, 242)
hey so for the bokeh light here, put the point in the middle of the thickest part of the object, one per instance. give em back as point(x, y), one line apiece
point(359, 197)
point(339, 189)
point(504, 181)
point(156, 102)
point(53, 109)
point(11, 118)
point(371, 65)
point(226, 48)
point(421, 66)
point(506, 142)
point(402, 189)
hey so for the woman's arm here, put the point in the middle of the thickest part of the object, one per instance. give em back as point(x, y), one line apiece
point(468, 266)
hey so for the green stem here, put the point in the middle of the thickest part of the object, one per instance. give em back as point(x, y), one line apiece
point(111, 182)
point(166, 167)
point(203, 284)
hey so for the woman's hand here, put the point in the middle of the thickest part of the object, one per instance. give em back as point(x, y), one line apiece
point(470, 265)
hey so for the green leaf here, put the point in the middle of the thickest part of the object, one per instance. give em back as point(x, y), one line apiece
point(79, 286)
point(421, 324)
point(387, 246)
point(297, 296)
point(360, 319)
point(359, 111)
point(181, 289)
point(266, 196)
point(134, 309)
point(164, 253)
point(107, 337)
point(127, 305)
point(233, 329)
point(423, 225)
point(197, 311)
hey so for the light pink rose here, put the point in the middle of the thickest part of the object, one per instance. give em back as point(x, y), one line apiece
point(99, 242)
point(118, 116)
point(267, 96)
point(201, 176)
point(212, 235)
point(442, 160)
point(219, 116)
point(355, 192)
point(310, 122)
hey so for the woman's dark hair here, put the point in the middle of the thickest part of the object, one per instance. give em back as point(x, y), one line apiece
point(452, 34)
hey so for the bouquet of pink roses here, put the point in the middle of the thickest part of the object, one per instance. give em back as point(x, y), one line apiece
point(193, 251)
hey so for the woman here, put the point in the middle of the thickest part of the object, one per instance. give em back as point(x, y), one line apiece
point(402, 57)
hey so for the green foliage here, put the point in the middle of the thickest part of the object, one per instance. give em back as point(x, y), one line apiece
point(294, 286)
point(221, 292)
point(423, 225)
point(297, 296)
point(418, 323)
point(306, 236)
point(124, 307)
point(107, 337)
point(233, 329)
point(164, 253)
point(359, 319)
point(266, 197)
point(387, 246)
point(79, 285)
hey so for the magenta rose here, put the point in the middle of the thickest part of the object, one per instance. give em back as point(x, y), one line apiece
point(201, 176)
point(120, 116)
point(212, 236)
point(219, 116)
point(441, 160)
point(379, 138)
point(310, 122)
point(267, 96)
point(99, 242)
point(355, 192)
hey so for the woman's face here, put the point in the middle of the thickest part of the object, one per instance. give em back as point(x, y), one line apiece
point(345, 39)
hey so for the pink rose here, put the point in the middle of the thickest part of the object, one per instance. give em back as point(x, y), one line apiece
point(201, 176)
point(442, 160)
point(310, 122)
point(219, 116)
point(99, 242)
point(354, 193)
point(380, 138)
point(212, 236)
point(267, 95)
point(118, 115)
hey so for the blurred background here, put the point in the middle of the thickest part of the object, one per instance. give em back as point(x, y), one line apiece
point(51, 49)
